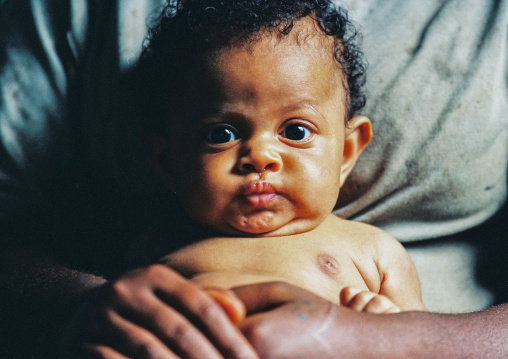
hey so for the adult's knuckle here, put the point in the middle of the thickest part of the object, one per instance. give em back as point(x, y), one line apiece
point(101, 354)
point(238, 351)
point(181, 334)
point(207, 310)
point(256, 333)
point(156, 270)
point(120, 291)
point(107, 317)
point(148, 349)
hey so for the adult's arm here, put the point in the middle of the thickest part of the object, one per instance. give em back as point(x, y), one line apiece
point(51, 310)
point(319, 329)
point(39, 297)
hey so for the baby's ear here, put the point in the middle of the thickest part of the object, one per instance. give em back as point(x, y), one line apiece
point(358, 136)
point(156, 148)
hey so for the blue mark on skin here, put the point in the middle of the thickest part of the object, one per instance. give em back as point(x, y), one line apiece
point(301, 317)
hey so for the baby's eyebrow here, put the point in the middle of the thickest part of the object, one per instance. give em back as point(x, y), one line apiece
point(303, 105)
point(222, 114)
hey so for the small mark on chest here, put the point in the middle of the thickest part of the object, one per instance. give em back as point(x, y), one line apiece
point(327, 264)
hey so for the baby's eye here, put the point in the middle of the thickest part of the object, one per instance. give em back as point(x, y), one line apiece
point(296, 132)
point(220, 134)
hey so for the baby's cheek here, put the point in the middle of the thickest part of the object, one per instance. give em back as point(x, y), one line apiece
point(321, 185)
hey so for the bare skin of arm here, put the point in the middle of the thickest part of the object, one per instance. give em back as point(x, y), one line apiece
point(320, 329)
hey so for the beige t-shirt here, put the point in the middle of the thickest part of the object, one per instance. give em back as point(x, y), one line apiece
point(437, 96)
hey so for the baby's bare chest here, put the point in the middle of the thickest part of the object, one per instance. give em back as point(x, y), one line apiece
point(322, 269)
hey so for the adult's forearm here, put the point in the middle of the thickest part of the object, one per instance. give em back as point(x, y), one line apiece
point(430, 335)
point(288, 322)
point(39, 297)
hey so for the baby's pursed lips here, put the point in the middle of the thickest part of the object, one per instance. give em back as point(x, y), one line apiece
point(259, 193)
point(258, 187)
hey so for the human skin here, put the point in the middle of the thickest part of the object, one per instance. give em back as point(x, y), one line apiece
point(321, 330)
point(267, 160)
point(260, 181)
point(153, 312)
point(332, 259)
point(271, 315)
point(27, 272)
point(295, 85)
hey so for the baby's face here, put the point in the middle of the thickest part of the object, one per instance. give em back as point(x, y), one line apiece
point(266, 158)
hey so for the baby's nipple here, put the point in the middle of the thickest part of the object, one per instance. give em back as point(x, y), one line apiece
point(328, 264)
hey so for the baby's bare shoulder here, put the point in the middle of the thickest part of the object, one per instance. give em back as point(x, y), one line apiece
point(360, 233)
point(361, 240)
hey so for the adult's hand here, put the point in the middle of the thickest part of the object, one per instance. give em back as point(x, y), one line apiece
point(288, 322)
point(284, 321)
point(153, 312)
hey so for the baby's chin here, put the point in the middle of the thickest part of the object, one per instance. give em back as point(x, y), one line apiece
point(264, 226)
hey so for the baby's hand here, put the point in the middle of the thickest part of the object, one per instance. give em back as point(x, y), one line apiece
point(365, 301)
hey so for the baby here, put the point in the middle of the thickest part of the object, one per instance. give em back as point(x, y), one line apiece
point(255, 133)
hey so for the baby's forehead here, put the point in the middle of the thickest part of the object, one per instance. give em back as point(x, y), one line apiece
point(298, 67)
point(305, 33)
point(306, 36)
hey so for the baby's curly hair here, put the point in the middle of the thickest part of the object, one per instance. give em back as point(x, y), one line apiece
point(189, 30)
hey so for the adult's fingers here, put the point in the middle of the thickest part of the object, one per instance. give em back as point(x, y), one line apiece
point(168, 326)
point(183, 316)
point(285, 321)
point(134, 341)
point(233, 306)
point(300, 326)
point(100, 352)
point(264, 296)
point(154, 312)
point(109, 335)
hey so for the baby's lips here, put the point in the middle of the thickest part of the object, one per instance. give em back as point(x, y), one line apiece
point(261, 199)
point(258, 187)
point(259, 193)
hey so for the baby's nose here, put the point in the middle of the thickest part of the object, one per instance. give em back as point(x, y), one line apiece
point(260, 156)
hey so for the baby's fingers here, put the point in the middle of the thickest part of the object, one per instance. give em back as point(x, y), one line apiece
point(365, 301)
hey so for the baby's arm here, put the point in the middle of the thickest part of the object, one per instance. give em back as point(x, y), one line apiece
point(390, 278)
point(399, 279)
point(387, 269)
